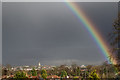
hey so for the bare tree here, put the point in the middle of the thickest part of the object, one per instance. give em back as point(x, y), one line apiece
point(114, 39)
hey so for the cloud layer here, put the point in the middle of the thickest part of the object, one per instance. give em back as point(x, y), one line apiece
point(52, 34)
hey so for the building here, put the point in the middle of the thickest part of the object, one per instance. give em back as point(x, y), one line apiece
point(39, 64)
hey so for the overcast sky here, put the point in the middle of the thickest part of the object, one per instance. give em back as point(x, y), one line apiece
point(59, 0)
point(51, 34)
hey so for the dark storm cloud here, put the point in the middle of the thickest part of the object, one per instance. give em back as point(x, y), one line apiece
point(101, 14)
point(51, 33)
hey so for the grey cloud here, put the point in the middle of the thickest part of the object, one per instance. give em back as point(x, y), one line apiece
point(47, 32)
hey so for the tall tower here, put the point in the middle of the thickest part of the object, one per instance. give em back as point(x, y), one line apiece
point(39, 64)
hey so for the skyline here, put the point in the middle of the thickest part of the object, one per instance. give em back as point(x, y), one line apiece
point(57, 36)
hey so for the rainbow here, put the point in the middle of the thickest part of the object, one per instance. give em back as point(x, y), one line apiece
point(90, 27)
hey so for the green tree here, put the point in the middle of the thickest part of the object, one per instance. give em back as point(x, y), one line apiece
point(78, 71)
point(93, 76)
point(63, 74)
point(43, 71)
point(34, 72)
point(20, 75)
point(44, 74)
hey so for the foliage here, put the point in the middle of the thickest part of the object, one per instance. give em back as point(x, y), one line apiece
point(34, 72)
point(93, 76)
point(44, 74)
point(8, 66)
point(75, 78)
point(63, 74)
point(114, 39)
point(43, 71)
point(20, 75)
point(78, 71)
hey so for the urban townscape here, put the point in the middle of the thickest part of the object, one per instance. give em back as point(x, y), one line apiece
point(74, 71)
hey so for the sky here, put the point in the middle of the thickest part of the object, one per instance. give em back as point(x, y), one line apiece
point(59, 0)
point(50, 33)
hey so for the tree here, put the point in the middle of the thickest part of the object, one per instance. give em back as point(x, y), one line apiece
point(63, 74)
point(34, 72)
point(44, 74)
point(8, 66)
point(43, 71)
point(93, 76)
point(78, 71)
point(114, 39)
point(4, 71)
point(20, 75)
point(89, 67)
